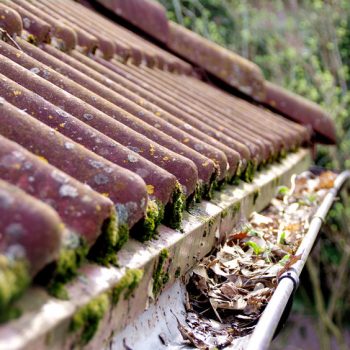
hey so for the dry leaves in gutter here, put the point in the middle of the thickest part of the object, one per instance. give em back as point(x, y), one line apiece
point(229, 289)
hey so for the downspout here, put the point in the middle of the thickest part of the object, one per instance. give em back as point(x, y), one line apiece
point(288, 282)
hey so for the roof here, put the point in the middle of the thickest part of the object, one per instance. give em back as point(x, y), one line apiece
point(231, 68)
point(117, 134)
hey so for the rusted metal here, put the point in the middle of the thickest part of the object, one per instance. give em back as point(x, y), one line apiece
point(302, 111)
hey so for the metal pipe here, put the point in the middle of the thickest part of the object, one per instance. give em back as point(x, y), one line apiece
point(267, 325)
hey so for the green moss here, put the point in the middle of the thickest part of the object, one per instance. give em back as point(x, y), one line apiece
point(113, 236)
point(249, 171)
point(211, 222)
point(174, 209)
point(256, 195)
point(87, 319)
point(235, 180)
point(127, 284)
point(14, 279)
point(240, 169)
point(178, 272)
point(32, 39)
point(209, 189)
point(123, 232)
point(66, 267)
point(146, 228)
point(160, 277)
point(283, 153)
point(224, 213)
point(199, 193)
point(214, 185)
point(235, 208)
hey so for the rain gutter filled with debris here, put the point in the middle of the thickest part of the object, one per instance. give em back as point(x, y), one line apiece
point(239, 295)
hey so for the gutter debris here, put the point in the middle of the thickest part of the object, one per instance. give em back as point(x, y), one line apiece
point(229, 289)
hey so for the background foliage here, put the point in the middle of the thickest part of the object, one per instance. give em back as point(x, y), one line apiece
point(304, 46)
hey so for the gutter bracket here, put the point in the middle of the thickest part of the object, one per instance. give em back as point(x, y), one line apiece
point(292, 275)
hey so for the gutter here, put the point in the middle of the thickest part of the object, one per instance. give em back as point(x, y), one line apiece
point(288, 283)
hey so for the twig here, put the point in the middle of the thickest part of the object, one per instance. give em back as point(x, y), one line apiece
point(325, 321)
point(7, 37)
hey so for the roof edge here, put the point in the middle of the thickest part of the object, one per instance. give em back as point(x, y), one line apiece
point(147, 15)
point(301, 110)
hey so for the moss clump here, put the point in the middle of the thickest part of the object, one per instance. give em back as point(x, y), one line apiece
point(199, 193)
point(154, 216)
point(14, 279)
point(113, 237)
point(240, 168)
point(146, 228)
point(160, 277)
point(213, 185)
point(283, 153)
point(224, 213)
point(87, 319)
point(235, 180)
point(249, 172)
point(256, 195)
point(126, 285)
point(235, 208)
point(211, 223)
point(178, 272)
point(123, 233)
point(174, 209)
point(66, 267)
point(206, 191)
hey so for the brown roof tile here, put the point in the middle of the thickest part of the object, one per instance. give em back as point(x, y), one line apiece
point(182, 168)
point(75, 160)
point(82, 210)
point(146, 14)
point(163, 182)
point(32, 24)
point(302, 111)
point(10, 21)
point(31, 237)
point(64, 36)
point(34, 237)
point(116, 109)
point(231, 68)
point(131, 102)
